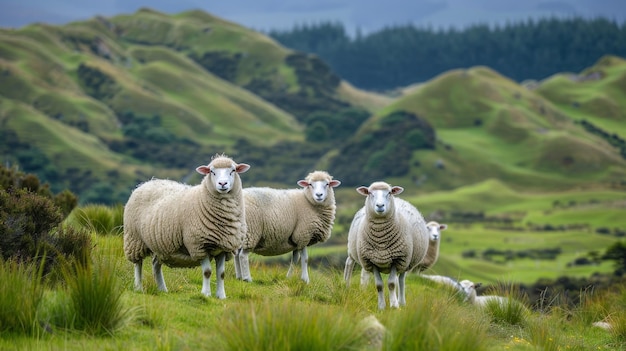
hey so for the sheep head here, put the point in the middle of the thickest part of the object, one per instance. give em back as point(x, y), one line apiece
point(319, 184)
point(435, 229)
point(222, 172)
point(379, 197)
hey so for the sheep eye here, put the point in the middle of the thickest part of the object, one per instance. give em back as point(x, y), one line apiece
point(213, 173)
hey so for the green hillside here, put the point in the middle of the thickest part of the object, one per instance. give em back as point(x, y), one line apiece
point(489, 127)
point(100, 105)
point(134, 96)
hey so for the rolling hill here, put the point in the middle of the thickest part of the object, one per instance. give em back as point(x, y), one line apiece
point(487, 126)
point(100, 105)
point(135, 96)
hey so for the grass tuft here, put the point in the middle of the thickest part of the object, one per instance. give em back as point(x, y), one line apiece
point(21, 292)
point(513, 311)
point(290, 325)
point(435, 322)
point(95, 298)
point(99, 219)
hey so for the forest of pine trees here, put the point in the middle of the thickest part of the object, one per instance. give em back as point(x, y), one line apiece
point(402, 55)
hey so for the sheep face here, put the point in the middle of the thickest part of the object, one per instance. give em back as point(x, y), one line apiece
point(319, 184)
point(434, 230)
point(222, 172)
point(379, 197)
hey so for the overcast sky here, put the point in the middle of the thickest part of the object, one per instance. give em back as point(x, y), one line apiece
point(368, 15)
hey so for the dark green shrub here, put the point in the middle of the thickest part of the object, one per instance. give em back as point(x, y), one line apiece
point(30, 223)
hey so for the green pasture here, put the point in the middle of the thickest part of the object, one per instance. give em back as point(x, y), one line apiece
point(183, 319)
point(512, 220)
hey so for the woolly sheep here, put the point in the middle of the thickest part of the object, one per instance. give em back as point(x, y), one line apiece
point(434, 232)
point(444, 280)
point(470, 289)
point(187, 226)
point(387, 235)
point(287, 220)
point(432, 254)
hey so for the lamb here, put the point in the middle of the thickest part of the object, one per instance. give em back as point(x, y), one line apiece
point(287, 220)
point(482, 301)
point(434, 230)
point(186, 226)
point(441, 279)
point(387, 235)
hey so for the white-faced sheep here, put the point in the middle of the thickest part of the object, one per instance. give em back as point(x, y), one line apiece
point(470, 289)
point(187, 226)
point(387, 235)
point(287, 220)
point(444, 280)
point(432, 255)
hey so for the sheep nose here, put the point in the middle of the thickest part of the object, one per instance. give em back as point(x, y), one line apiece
point(222, 184)
point(319, 195)
point(380, 207)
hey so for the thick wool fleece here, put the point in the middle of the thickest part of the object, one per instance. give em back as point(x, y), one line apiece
point(181, 224)
point(283, 220)
point(400, 238)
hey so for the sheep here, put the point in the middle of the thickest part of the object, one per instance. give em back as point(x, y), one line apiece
point(482, 301)
point(187, 226)
point(387, 235)
point(434, 231)
point(287, 220)
point(441, 279)
point(432, 254)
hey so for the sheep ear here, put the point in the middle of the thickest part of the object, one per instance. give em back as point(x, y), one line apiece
point(443, 226)
point(303, 183)
point(242, 167)
point(363, 190)
point(334, 183)
point(396, 190)
point(203, 170)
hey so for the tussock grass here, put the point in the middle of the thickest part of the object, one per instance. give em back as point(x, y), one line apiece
point(290, 325)
point(514, 310)
point(94, 298)
point(435, 321)
point(99, 219)
point(21, 293)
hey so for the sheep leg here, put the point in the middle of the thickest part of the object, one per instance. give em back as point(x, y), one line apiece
point(401, 289)
point(158, 274)
point(379, 288)
point(304, 265)
point(295, 257)
point(365, 277)
point(392, 283)
point(138, 285)
point(347, 271)
point(244, 265)
point(206, 276)
point(238, 264)
point(220, 269)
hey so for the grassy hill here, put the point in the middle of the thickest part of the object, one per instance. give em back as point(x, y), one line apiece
point(488, 126)
point(100, 105)
point(134, 96)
